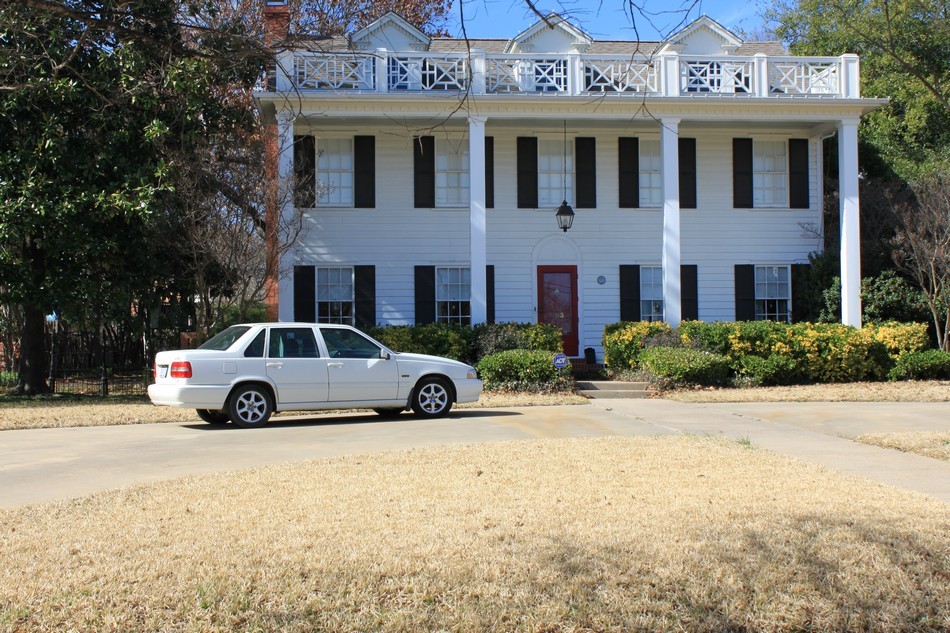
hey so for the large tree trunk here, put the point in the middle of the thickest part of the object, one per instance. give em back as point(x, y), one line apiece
point(33, 367)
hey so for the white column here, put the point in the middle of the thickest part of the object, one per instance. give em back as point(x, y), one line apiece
point(477, 240)
point(850, 76)
point(850, 222)
point(477, 61)
point(760, 65)
point(670, 78)
point(382, 70)
point(669, 151)
point(285, 209)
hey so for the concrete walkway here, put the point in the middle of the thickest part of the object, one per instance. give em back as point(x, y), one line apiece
point(47, 464)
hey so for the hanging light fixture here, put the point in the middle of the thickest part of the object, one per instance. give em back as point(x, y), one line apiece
point(564, 213)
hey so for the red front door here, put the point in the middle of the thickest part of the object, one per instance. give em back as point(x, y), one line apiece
point(557, 302)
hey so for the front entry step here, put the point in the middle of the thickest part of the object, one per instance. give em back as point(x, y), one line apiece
point(601, 389)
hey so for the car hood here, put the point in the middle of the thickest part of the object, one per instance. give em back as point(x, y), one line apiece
point(430, 359)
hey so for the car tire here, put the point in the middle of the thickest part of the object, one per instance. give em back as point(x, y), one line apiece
point(431, 398)
point(250, 406)
point(389, 412)
point(214, 416)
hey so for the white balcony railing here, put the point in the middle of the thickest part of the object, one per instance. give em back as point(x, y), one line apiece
point(665, 75)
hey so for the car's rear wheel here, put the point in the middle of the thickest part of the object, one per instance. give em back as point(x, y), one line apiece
point(388, 412)
point(250, 406)
point(431, 398)
point(213, 416)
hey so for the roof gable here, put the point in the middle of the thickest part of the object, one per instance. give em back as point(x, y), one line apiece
point(552, 34)
point(391, 32)
point(703, 36)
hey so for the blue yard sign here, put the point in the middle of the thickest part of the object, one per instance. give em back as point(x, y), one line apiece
point(560, 361)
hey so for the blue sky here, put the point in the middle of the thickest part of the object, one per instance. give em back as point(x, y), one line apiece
point(604, 19)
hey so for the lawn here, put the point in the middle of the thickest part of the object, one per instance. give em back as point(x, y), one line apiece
point(663, 534)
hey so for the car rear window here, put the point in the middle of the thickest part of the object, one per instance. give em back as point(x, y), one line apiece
point(224, 340)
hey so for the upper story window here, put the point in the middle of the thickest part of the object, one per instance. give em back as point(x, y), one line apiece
point(554, 163)
point(335, 171)
point(453, 292)
point(651, 174)
point(451, 172)
point(335, 296)
point(772, 293)
point(769, 173)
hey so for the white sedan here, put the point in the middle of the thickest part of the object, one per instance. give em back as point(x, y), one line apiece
point(247, 372)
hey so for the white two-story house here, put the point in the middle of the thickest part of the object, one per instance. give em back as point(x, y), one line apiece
point(550, 177)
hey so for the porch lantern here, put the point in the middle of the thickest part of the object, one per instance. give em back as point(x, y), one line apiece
point(565, 216)
point(564, 213)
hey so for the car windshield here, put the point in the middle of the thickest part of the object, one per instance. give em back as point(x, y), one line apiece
point(224, 340)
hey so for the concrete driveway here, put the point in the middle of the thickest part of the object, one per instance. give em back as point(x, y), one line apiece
point(47, 464)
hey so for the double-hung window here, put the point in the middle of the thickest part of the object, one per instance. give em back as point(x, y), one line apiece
point(451, 172)
point(651, 293)
point(555, 172)
point(335, 171)
point(769, 174)
point(335, 296)
point(651, 174)
point(772, 293)
point(453, 293)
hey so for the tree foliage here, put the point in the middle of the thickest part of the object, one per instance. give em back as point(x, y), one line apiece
point(905, 55)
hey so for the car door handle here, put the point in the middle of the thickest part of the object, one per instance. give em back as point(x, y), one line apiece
point(274, 365)
point(335, 365)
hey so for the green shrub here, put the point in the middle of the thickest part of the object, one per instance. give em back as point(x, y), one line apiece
point(900, 339)
point(711, 337)
point(522, 370)
point(931, 364)
point(437, 339)
point(623, 342)
point(831, 352)
point(491, 338)
point(756, 371)
point(678, 366)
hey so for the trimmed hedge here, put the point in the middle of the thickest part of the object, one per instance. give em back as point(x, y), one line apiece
point(931, 364)
point(468, 344)
point(623, 342)
point(676, 366)
point(770, 353)
point(521, 370)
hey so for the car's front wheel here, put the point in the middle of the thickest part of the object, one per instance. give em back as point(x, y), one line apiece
point(213, 416)
point(250, 406)
point(432, 398)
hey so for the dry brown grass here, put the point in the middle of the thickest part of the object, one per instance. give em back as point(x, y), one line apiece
point(557, 535)
point(911, 391)
point(936, 445)
point(68, 412)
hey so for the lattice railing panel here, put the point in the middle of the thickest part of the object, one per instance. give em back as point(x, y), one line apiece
point(716, 76)
point(428, 73)
point(804, 77)
point(620, 75)
point(334, 72)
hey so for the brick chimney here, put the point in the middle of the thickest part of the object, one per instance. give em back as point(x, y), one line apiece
point(276, 21)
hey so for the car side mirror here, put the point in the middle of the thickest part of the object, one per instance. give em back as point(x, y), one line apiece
point(383, 354)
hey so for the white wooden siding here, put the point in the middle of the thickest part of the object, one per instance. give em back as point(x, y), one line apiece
point(395, 237)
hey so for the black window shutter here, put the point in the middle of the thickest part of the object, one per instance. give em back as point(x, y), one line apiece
point(689, 293)
point(423, 161)
point(489, 172)
point(801, 304)
point(490, 293)
point(305, 294)
point(745, 292)
point(305, 172)
point(364, 172)
point(527, 172)
point(629, 163)
point(687, 156)
point(742, 173)
point(364, 278)
point(798, 173)
point(629, 292)
point(425, 294)
point(585, 167)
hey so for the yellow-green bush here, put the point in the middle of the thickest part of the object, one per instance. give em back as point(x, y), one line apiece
point(900, 339)
point(623, 342)
point(831, 352)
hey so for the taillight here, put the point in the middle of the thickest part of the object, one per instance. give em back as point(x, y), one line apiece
point(181, 369)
